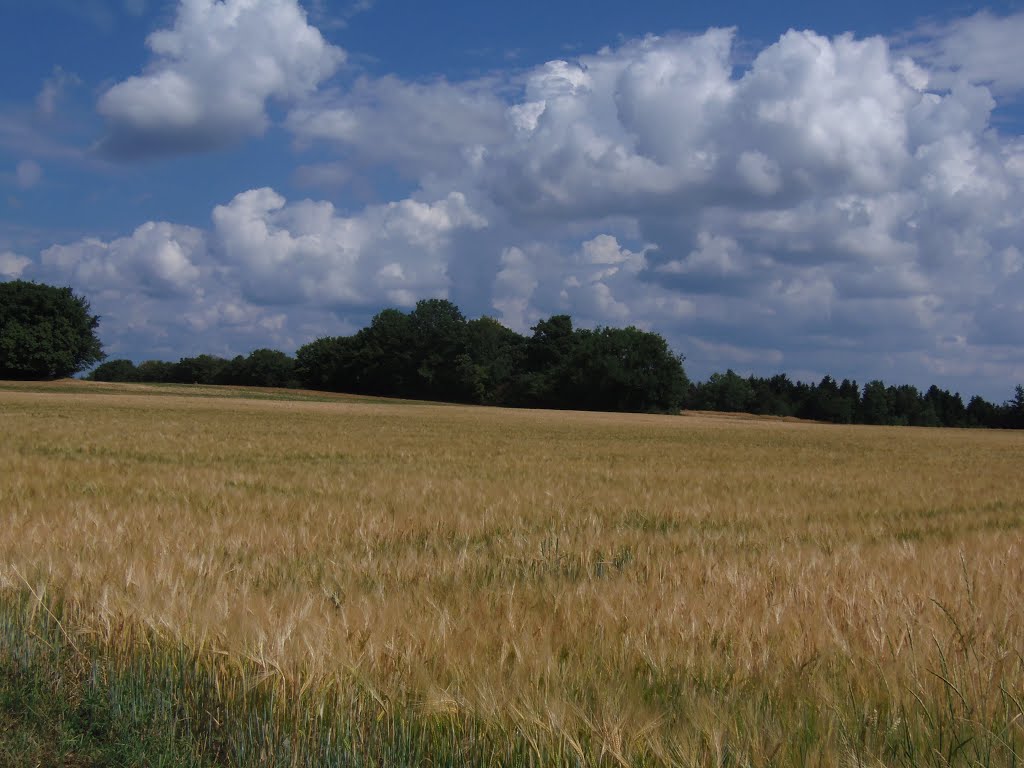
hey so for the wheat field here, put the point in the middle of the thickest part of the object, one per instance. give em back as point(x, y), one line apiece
point(418, 584)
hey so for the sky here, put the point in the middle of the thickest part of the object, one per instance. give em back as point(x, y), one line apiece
point(814, 188)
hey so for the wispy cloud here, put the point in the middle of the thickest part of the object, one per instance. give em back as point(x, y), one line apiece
point(327, 15)
point(28, 174)
point(983, 49)
point(53, 90)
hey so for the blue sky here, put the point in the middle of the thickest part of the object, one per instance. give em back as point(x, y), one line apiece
point(802, 187)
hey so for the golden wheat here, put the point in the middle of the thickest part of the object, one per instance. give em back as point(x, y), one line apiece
point(670, 586)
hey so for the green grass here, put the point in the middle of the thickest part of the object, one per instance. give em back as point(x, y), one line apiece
point(67, 699)
point(60, 706)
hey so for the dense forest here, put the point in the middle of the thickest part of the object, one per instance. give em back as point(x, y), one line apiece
point(434, 353)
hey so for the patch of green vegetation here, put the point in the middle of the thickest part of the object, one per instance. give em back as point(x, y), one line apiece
point(60, 708)
point(68, 699)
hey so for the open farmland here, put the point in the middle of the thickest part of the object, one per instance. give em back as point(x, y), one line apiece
point(296, 582)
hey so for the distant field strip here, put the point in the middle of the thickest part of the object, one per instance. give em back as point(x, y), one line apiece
point(382, 583)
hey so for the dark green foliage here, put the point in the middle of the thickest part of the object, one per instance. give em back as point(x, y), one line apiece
point(772, 396)
point(831, 402)
point(1015, 409)
point(496, 354)
point(262, 368)
point(435, 353)
point(844, 403)
point(45, 332)
point(607, 369)
point(545, 377)
point(902, 405)
point(875, 406)
point(382, 357)
point(330, 364)
point(155, 371)
point(204, 369)
point(949, 408)
point(980, 412)
point(115, 370)
point(727, 391)
point(444, 368)
point(625, 369)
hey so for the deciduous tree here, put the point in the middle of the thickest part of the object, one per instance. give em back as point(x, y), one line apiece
point(46, 332)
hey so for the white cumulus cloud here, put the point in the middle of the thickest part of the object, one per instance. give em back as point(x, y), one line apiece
point(158, 259)
point(417, 127)
point(827, 204)
point(268, 271)
point(212, 74)
point(12, 266)
point(597, 283)
point(286, 253)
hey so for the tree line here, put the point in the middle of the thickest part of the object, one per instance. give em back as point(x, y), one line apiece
point(847, 403)
point(434, 353)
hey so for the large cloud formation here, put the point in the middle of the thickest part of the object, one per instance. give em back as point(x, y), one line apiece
point(266, 272)
point(212, 74)
point(835, 204)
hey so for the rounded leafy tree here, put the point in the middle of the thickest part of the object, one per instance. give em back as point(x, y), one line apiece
point(45, 332)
